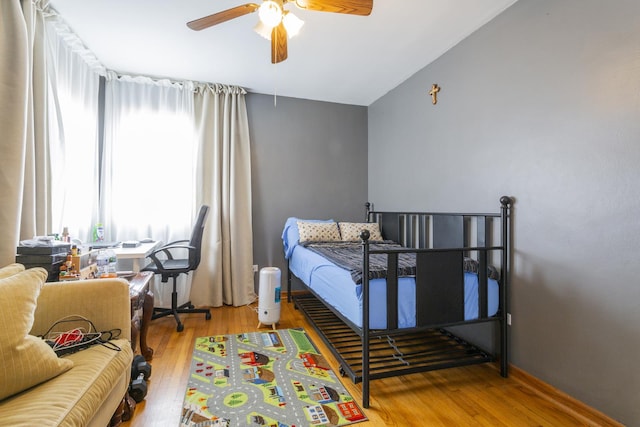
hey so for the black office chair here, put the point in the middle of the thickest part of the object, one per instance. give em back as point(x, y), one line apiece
point(170, 267)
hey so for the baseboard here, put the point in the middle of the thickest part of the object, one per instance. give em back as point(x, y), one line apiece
point(582, 411)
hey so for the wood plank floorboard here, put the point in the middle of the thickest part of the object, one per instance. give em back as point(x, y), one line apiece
point(468, 396)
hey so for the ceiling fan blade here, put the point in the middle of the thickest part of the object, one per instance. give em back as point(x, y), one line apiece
point(220, 17)
point(351, 7)
point(278, 44)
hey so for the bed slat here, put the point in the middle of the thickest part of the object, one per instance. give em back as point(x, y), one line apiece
point(448, 231)
point(392, 291)
point(439, 288)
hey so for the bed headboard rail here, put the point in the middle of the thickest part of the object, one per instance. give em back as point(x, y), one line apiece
point(437, 230)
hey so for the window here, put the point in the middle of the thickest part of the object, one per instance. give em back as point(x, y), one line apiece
point(150, 178)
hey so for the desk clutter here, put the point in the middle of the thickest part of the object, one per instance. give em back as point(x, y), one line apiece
point(68, 261)
point(129, 244)
point(65, 258)
point(49, 255)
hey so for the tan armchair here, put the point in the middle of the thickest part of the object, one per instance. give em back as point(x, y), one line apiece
point(93, 389)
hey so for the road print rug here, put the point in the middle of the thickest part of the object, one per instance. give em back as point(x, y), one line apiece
point(272, 378)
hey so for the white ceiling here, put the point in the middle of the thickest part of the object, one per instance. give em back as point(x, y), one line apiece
point(337, 58)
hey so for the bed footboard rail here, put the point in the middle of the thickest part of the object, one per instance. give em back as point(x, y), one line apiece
point(440, 242)
point(440, 285)
point(439, 301)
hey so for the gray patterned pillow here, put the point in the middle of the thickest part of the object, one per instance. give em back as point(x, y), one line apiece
point(318, 232)
point(350, 231)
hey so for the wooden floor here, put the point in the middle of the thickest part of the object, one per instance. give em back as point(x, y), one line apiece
point(467, 396)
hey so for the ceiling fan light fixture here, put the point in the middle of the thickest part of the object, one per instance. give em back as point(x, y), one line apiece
point(270, 13)
point(292, 23)
point(277, 24)
point(263, 30)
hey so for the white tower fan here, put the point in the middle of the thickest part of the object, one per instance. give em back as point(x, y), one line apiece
point(269, 297)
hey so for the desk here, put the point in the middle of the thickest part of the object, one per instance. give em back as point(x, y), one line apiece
point(141, 311)
point(137, 254)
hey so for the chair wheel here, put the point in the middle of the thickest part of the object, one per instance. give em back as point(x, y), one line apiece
point(180, 327)
point(207, 316)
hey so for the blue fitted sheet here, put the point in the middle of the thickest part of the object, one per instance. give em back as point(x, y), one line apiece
point(336, 287)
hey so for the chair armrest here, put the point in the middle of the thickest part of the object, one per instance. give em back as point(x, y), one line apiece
point(172, 244)
point(167, 251)
point(105, 302)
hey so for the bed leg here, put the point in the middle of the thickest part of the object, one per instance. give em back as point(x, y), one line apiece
point(365, 363)
point(504, 358)
point(504, 346)
point(365, 372)
point(288, 283)
point(365, 394)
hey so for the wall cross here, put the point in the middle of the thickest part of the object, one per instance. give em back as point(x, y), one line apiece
point(434, 93)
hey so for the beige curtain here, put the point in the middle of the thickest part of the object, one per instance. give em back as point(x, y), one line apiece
point(24, 171)
point(225, 275)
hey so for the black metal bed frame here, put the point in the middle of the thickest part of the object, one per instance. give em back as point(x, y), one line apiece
point(440, 241)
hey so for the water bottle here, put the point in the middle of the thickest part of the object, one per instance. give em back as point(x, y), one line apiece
point(111, 266)
point(102, 262)
point(98, 233)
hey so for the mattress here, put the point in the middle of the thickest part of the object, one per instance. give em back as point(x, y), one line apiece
point(336, 287)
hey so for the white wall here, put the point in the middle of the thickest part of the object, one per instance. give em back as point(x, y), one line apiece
point(542, 103)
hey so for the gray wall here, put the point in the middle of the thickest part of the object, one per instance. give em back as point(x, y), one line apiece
point(542, 103)
point(308, 160)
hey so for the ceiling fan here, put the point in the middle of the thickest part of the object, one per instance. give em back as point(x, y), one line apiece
point(277, 23)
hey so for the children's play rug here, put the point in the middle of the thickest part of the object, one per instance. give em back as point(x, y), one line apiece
point(272, 378)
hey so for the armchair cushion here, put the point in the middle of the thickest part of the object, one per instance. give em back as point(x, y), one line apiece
point(10, 270)
point(25, 360)
point(103, 301)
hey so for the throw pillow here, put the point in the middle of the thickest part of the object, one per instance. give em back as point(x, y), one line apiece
point(318, 232)
point(25, 360)
point(10, 270)
point(350, 231)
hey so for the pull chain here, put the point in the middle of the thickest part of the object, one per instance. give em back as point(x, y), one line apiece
point(275, 82)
